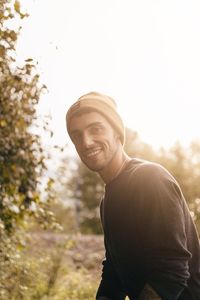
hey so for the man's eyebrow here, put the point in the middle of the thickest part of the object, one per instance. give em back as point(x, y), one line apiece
point(94, 124)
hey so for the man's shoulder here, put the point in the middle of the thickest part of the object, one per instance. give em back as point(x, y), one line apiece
point(146, 166)
point(148, 170)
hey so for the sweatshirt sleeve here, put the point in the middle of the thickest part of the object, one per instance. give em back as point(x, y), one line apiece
point(110, 286)
point(164, 236)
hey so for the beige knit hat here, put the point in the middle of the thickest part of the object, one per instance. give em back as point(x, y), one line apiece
point(103, 104)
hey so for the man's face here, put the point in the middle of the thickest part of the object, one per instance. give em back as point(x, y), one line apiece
point(95, 140)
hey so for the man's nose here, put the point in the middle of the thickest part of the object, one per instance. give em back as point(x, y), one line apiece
point(87, 140)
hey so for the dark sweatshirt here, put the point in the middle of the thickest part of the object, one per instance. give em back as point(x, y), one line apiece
point(149, 236)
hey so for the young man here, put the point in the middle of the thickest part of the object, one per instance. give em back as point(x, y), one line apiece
point(152, 246)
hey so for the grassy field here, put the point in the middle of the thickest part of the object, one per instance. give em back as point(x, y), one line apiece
point(62, 267)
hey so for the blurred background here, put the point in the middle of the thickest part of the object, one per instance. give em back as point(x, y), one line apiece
point(144, 54)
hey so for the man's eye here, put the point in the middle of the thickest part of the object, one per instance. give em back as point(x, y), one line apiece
point(76, 137)
point(96, 129)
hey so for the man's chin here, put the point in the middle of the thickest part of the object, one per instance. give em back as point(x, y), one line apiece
point(95, 167)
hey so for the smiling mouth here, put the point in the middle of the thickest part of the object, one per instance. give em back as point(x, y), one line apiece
point(92, 153)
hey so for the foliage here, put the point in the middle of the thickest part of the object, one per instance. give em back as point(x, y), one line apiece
point(88, 190)
point(43, 272)
point(21, 153)
point(63, 218)
point(83, 190)
point(135, 147)
point(184, 164)
point(80, 286)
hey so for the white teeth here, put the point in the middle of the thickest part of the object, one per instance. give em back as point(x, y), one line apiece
point(93, 153)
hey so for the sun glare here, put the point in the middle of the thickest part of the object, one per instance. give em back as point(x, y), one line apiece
point(128, 50)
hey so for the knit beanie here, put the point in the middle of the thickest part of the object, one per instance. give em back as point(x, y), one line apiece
point(103, 104)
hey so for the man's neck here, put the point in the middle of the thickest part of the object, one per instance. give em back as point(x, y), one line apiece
point(115, 167)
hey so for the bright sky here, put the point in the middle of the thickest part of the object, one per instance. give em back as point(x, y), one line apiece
point(145, 54)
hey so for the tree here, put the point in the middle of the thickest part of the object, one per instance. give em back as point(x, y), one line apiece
point(184, 164)
point(21, 157)
point(82, 190)
point(88, 191)
point(21, 154)
point(135, 147)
